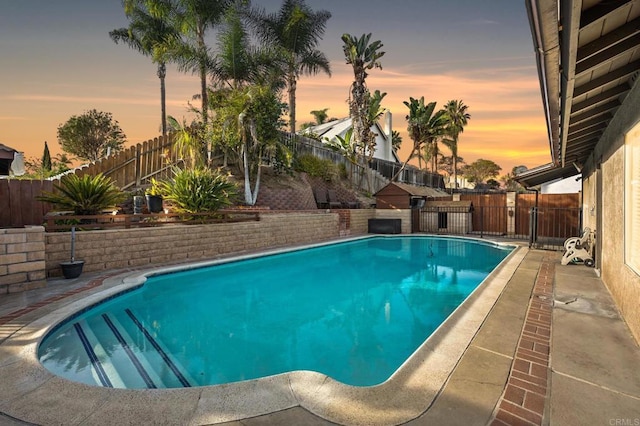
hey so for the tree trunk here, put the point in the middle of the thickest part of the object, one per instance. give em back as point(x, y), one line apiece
point(162, 73)
point(292, 103)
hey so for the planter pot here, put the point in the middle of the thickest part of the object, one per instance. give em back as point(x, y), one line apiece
point(154, 203)
point(72, 269)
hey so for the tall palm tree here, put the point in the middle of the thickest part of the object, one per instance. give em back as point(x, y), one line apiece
point(424, 127)
point(362, 55)
point(296, 29)
point(457, 118)
point(149, 33)
point(194, 18)
point(238, 62)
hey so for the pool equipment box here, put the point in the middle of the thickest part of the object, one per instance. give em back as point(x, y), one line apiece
point(385, 226)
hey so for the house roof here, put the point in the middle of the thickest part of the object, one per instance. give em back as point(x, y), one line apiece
point(545, 173)
point(6, 152)
point(416, 191)
point(338, 127)
point(588, 57)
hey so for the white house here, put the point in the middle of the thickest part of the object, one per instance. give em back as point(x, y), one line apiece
point(384, 147)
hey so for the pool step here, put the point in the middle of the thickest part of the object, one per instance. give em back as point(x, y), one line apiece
point(127, 355)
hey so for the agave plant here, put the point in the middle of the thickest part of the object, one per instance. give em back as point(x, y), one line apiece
point(197, 190)
point(84, 195)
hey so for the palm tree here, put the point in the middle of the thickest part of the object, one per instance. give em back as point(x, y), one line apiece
point(362, 55)
point(296, 30)
point(238, 63)
point(194, 18)
point(320, 115)
point(150, 34)
point(396, 140)
point(424, 127)
point(457, 117)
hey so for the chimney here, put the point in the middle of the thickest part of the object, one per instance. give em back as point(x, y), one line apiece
point(387, 125)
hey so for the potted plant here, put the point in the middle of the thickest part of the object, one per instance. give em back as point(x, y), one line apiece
point(73, 268)
point(154, 197)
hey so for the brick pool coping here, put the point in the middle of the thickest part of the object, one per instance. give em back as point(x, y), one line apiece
point(526, 391)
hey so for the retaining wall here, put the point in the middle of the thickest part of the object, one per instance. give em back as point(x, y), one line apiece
point(123, 248)
point(29, 255)
point(22, 259)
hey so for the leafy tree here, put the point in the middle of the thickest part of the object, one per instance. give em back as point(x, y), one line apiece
point(84, 195)
point(296, 30)
point(247, 121)
point(457, 118)
point(90, 135)
point(481, 170)
point(446, 165)
point(46, 158)
point(362, 55)
point(151, 34)
point(424, 126)
point(493, 184)
point(509, 179)
point(33, 166)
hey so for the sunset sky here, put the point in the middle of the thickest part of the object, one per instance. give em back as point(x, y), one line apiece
point(58, 61)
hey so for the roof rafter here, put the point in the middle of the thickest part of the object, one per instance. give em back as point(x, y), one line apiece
point(599, 11)
point(622, 72)
point(602, 97)
point(608, 54)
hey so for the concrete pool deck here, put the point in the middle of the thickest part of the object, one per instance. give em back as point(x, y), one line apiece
point(588, 375)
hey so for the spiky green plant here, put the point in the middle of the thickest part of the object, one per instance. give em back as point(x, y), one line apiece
point(84, 195)
point(198, 190)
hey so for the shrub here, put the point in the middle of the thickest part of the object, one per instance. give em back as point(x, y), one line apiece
point(197, 190)
point(317, 167)
point(84, 195)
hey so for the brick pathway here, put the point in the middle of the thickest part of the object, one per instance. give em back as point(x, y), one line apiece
point(523, 400)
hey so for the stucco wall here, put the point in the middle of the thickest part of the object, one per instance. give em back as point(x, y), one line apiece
point(22, 265)
point(622, 281)
point(122, 248)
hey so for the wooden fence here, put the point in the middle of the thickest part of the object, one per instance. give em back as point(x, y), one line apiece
point(136, 165)
point(132, 167)
point(18, 204)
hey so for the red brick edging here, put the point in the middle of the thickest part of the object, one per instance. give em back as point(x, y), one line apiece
point(523, 400)
point(30, 308)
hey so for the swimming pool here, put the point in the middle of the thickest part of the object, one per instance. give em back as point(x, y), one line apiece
point(354, 311)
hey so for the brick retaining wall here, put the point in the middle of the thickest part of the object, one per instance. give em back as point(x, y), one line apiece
point(22, 263)
point(122, 248)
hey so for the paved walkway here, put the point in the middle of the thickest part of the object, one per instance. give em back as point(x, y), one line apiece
point(553, 350)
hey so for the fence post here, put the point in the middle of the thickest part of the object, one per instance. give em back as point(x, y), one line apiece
point(481, 221)
point(137, 166)
point(533, 226)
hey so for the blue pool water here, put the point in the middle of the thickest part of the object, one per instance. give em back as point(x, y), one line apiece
point(354, 311)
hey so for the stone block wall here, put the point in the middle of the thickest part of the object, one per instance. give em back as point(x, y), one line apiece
point(360, 220)
point(22, 259)
point(123, 248)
